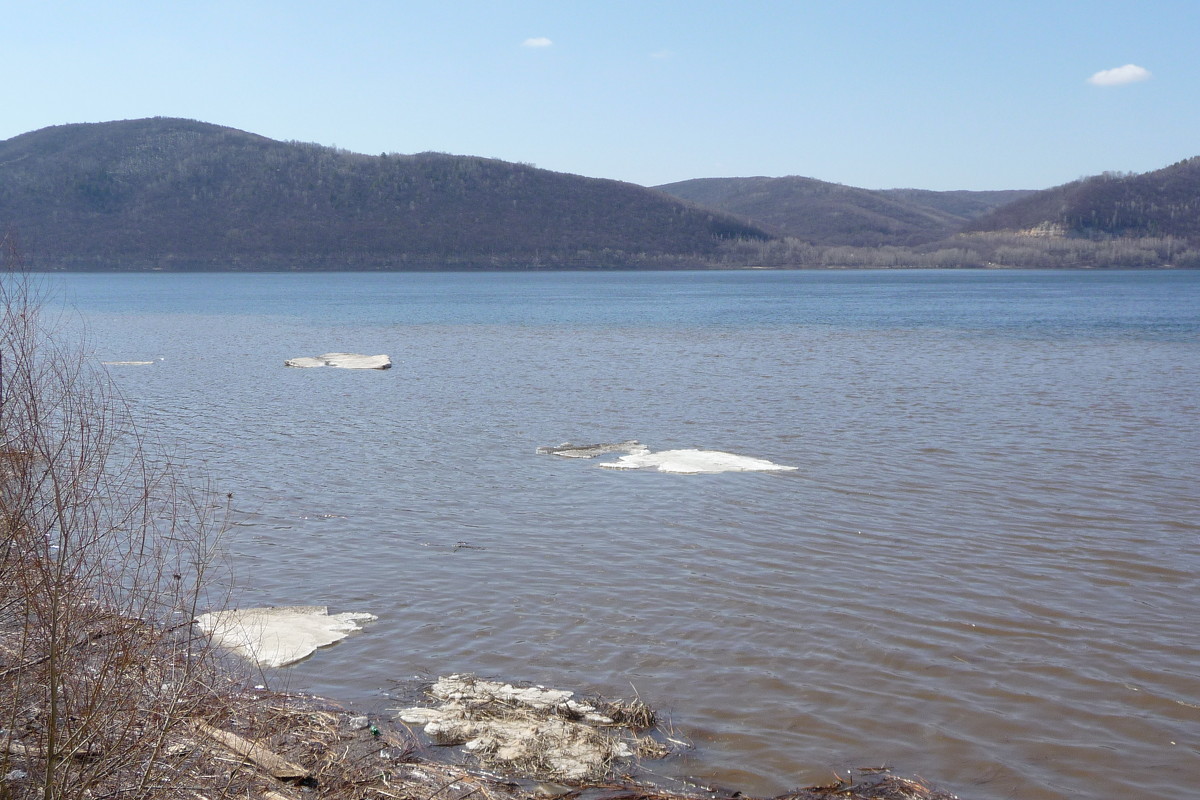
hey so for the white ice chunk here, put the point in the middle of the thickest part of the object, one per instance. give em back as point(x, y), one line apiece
point(276, 636)
point(695, 461)
point(126, 363)
point(420, 716)
point(343, 360)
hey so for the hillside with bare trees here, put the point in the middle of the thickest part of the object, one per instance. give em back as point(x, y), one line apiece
point(179, 194)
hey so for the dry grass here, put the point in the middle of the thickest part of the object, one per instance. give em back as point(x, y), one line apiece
point(346, 757)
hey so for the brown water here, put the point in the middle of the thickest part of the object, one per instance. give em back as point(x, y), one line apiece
point(983, 572)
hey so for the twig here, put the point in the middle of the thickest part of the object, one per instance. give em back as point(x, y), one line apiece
point(84, 640)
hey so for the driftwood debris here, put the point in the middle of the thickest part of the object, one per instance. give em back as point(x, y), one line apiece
point(274, 764)
point(276, 796)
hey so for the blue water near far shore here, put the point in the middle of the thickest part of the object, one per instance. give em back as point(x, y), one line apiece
point(973, 300)
point(984, 570)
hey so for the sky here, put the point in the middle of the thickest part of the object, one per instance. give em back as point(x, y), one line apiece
point(943, 94)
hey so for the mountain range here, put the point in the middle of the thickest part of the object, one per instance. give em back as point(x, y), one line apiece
point(173, 194)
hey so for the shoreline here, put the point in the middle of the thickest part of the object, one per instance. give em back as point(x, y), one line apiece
point(227, 739)
point(347, 755)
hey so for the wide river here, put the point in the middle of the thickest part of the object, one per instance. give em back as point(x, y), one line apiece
point(984, 570)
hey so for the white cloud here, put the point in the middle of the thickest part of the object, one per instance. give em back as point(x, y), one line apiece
point(1130, 73)
point(663, 54)
point(537, 41)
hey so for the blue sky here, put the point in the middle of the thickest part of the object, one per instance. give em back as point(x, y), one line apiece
point(935, 95)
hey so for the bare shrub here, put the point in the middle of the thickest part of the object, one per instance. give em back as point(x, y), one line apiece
point(105, 554)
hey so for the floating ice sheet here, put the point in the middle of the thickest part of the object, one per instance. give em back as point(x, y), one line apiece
point(343, 360)
point(279, 635)
point(695, 461)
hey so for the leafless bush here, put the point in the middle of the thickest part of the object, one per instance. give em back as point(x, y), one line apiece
point(105, 553)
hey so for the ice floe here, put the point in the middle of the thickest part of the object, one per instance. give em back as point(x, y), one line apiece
point(126, 363)
point(685, 462)
point(568, 450)
point(279, 635)
point(692, 462)
point(342, 360)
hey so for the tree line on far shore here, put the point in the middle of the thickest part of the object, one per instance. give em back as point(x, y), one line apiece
point(973, 251)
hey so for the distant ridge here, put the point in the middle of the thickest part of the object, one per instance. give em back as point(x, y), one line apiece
point(960, 204)
point(832, 214)
point(180, 194)
point(1110, 221)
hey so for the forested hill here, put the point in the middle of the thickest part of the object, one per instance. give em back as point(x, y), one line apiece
point(1162, 203)
point(180, 194)
point(1108, 221)
point(832, 214)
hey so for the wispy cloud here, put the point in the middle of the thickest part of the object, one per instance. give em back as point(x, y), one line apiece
point(537, 41)
point(1130, 73)
point(663, 54)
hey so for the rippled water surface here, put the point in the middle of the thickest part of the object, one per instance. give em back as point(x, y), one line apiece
point(983, 572)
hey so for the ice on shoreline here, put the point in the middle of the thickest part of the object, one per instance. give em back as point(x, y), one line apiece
point(532, 729)
point(342, 360)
